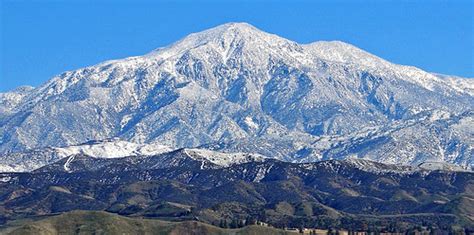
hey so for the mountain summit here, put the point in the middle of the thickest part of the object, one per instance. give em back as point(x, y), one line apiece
point(236, 88)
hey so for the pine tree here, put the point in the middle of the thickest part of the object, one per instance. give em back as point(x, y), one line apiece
point(241, 223)
point(223, 223)
point(233, 223)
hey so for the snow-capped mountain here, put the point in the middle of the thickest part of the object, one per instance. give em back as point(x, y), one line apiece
point(234, 87)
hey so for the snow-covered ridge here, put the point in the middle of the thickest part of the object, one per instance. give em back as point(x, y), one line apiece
point(381, 168)
point(461, 84)
point(96, 154)
point(113, 148)
point(364, 165)
point(432, 166)
point(341, 52)
point(110, 148)
point(337, 51)
point(223, 159)
point(376, 167)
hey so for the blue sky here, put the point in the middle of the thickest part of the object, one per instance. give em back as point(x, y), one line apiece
point(40, 39)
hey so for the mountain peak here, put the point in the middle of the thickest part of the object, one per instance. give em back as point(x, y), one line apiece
point(226, 37)
point(229, 29)
point(238, 26)
point(227, 32)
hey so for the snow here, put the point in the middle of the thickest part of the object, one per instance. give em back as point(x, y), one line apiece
point(375, 167)
point(250, 123)
point(337, 51)
point(222, 159)
point(262, 172)
point(5, 179)
point(125, 120)
point(432, 166)
point(110, 148)
point(68, 162)
point(6, 168)
point(462, 85)
point(439, 115)
point(341, 52)
point(114, 148)
point(9, 101)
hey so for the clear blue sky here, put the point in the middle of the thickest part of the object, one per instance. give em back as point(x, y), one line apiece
point(40, 39)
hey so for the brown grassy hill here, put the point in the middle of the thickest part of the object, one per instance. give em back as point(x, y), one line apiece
point(96, 222)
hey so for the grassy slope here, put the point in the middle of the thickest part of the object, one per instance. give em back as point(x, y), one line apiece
point(95, 222)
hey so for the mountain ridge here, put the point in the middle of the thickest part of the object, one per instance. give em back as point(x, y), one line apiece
point(94, 154)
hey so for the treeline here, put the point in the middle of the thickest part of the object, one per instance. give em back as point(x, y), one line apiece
point(351, 226)
point(238, 223)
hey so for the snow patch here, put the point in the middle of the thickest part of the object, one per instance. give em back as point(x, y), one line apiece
point(113, 149)
point(223, 159)
point(250, 123)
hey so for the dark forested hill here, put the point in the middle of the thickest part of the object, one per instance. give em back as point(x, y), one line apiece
point(348, 194)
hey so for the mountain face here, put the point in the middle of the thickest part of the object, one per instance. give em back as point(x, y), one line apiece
point(184, 185)
point(235, 88)
point(9, 100)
